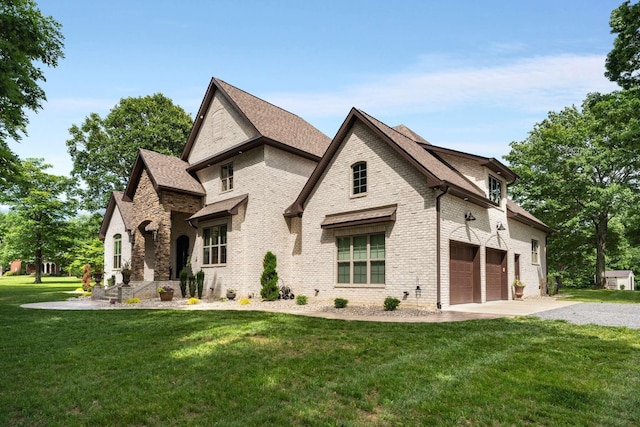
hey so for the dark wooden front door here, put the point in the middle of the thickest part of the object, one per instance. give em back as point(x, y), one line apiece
point(464, 274)
point(182, 254)
point(496, 269)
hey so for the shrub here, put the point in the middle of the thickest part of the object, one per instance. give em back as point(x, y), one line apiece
point(622, 287)
point(133, 301)
point(245, 301)
point(391, 303)
point(269, 278)
point(340, 302)
point(192, 286)
point(301, 300)
point(111, 281)
point(200, 282)
point(193, 301)
point(184, 276)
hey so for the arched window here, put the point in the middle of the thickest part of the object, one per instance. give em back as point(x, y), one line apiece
point(359, 178)
point(117, 251)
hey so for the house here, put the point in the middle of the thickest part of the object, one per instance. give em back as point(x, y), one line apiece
point(375, 212)
point(620, 279)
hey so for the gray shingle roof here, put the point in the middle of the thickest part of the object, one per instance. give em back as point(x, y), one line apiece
point(125, 207)
point(518, 213)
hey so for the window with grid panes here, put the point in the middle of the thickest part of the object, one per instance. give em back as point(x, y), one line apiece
point(214, 245)
point(361, 259)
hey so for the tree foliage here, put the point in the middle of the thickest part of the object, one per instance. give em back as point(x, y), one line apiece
point(578, 171)
point(27, 39)
point(84, 246)
point(37, 221)
point(623, 61)
point(269, 277)
point(104, 149)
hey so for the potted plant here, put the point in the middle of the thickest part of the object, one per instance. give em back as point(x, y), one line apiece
point(166, 293)
point(98, 275)
point(231, 293)
point(125, 270)
point(518, 287)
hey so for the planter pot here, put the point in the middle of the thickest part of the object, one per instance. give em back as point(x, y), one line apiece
point(231, 295)
point(98, 277)
point(126, 277)
point(166, 296)
point(519, 291)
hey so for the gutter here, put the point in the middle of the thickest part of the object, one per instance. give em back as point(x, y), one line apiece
point(438, 279)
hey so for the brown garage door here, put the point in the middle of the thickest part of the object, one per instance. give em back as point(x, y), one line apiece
point(496, 275)
point(464, 273)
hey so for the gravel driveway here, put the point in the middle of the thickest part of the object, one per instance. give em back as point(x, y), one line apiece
point(599, 313)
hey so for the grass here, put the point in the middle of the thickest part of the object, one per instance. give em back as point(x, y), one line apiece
point(217, 368)
point(600, 295)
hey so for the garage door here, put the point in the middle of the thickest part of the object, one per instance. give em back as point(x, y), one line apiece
point(496, 266)
point(464, 274)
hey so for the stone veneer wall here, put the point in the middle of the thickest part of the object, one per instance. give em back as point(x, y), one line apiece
point(149, 206)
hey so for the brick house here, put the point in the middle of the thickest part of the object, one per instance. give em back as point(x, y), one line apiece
point(375, 212)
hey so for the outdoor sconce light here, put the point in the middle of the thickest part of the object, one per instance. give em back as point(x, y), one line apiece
point(317, 291)
point(500, 227)
point(418, 291)
point(469, 216)
point(406, 294)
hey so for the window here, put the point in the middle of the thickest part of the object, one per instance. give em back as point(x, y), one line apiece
point(214, 245)
point(535, 258)
point(226, 176)
point(359, 178)
point(495, 189)
point(117, 251)
point(361, 259)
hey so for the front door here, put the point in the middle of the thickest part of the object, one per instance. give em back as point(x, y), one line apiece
point(182, 254)
point(496, 270)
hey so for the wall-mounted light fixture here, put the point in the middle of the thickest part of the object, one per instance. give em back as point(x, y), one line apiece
point(468, 216)
point(418, 291)
point(500, 227)
point(406, 295)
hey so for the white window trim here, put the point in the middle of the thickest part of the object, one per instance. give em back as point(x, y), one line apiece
point(535, 259)
point(117, 256)
point(229, 180)
point(202, 245)
point(489, 192)
point(352, 192)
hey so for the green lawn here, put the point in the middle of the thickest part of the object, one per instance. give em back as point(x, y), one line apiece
point(601, 295)
point(207, 368)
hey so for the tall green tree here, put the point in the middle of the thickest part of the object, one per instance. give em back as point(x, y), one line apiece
point(579, 170)
point(623, 61)
point(84, 246)
point(39, 212)
point(28, 40)
point(104, 149)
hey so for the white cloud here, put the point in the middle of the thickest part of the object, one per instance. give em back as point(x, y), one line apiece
point(530, 84)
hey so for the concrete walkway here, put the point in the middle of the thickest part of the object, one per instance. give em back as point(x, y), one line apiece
point(456, 313)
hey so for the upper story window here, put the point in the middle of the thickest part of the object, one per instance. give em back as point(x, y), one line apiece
point(226, 176)
point(214, 245)
point(535, 252)
point(359, 178)
point(495, 189)
point(117, 251)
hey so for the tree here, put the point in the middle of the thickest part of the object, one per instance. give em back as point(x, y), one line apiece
point(26, 38)
point(84, 245)
point(623, 61)
point(37, 221)
point(269, 278)
point(579, 170)
point(103, 150)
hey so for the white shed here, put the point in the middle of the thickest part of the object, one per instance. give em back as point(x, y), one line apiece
point(620, 279)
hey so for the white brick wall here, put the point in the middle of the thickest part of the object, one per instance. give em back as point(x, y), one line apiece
point(222, 128)
point(273, 179)
point(410, 241)
point(116, 226)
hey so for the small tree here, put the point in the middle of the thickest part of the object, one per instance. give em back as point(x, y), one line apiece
point(269, 278)
point(200, 282)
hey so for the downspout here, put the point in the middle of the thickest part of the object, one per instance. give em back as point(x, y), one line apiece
point(445, 191)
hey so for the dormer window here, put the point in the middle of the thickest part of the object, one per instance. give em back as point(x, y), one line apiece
point(226, 176)
point(359, 178)
point(495, 189)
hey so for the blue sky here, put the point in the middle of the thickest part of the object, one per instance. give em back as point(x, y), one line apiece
point(468, 75)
